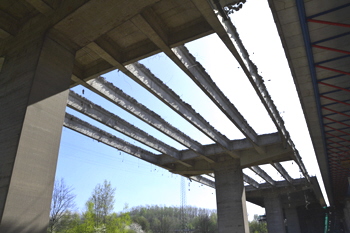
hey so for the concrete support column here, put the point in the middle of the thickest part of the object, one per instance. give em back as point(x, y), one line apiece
point(347, 216)
point(230, 197)
point(293, 225)
point(33, 93)
point(274, 214)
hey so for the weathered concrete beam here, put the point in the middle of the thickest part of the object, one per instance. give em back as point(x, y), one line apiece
point(199, 167)
point(9, 26)
point(205, 82)
point(129, 104)
point(146, 22)
point(143, 76)
point(133, 72)
point(107, 90)
point(281, 187)
point(41, 6)
point(282, 171)
point(4, 34)
point(248, 155)
point(258, 84)
point(203, 180)
point(111, 120)
point(250, 181)
point(294, 193)
point(274, 153)
point(93, 132)
point(202, 167)
point(247, 179)
point(228, 34)
point(263, 174)
point(2, 60)
point(103, 54)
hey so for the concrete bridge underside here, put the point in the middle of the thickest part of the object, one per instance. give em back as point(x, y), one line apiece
point(46, 47)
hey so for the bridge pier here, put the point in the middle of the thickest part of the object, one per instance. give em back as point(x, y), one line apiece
point(274, 213)
point(346, 211)
point(292, 217)
point(34, 83)
point(230, 197)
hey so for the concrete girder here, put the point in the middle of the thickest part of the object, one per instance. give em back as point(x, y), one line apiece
point(8, 25)
point(111, 120)
point(144, 77)
point(82, 27)
point(248, 155)
point(301, 186)
point(93, 132)
point(228, 34)
point(256, 191)
point(263, 174)
point(41, 6)
point(2, 60)
point(205, 82)
point(107, 90)
point(280, 187)
point(258, 84)
point(282, 171)
point(199, 167)
point(274, 153)
point(246, 179)
point(161, 90)
point(203, 180)
point(250, 181)
point(250, 159)
point(146, 22)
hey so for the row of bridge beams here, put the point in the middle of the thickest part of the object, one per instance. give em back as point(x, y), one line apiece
point(37, 71)
point(39, 132)
point(213, 161)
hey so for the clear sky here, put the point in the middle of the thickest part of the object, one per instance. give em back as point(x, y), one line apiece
point(84, 162)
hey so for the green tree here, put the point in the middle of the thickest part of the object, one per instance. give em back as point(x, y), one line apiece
point(118, 223)
point(103, 201)
point(205, 223)
point(168, 219)
point(62, 202)
point(257, 227)
point(143, 222)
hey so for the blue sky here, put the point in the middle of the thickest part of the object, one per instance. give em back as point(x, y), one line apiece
point(83, 162)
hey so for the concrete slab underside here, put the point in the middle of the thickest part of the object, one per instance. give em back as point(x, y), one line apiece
point(33, 82)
